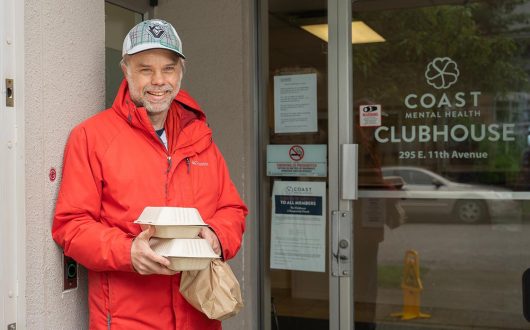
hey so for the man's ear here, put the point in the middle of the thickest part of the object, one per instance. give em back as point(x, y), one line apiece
point(123, 69)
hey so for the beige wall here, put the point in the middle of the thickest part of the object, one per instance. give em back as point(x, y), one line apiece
point(64, 84)
point(218, 43)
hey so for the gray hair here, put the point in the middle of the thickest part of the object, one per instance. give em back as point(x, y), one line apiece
point(124, 60)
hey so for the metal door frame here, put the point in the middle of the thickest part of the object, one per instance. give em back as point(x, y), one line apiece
point(12, 168)
point(340, 102)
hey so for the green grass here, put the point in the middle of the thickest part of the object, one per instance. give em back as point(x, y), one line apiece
point(390, 276)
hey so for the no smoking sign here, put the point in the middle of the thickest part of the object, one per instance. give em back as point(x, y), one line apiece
point(297, 160)
point(296, 153)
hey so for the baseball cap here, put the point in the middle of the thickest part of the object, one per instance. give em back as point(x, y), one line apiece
point(151, 34)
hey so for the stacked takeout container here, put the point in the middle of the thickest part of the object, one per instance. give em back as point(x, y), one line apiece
point(176, 236)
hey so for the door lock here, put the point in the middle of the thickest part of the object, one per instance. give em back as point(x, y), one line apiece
point(341, 222)
point(344, 244)
point(10, 93)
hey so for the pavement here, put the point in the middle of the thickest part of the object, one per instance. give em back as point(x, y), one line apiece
point(472, 275)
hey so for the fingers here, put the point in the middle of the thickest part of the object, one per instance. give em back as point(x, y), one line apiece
point(149, 266)
point(147, 233)
point(211, 237)
point(144, 260)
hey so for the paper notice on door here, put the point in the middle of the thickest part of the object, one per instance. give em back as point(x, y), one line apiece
point(370, 115)
point(298, 226)
point(295, 103)
point(373, 212)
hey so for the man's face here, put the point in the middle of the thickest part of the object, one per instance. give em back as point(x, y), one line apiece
point(154, 78)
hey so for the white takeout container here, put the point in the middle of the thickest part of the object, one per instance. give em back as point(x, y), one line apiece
point(172, 222)
point(184, 254)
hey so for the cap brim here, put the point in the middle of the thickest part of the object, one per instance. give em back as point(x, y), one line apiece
point(143, 47)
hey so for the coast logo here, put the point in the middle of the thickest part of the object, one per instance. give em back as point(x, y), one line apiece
point(442, 73)
point(297, 189)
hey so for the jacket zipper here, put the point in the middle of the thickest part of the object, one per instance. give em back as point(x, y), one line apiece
point(167, 175)
point(188, 164)
point(109, 316)
point(168, 163)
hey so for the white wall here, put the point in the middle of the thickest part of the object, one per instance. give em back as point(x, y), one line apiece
point(64, 84)
point(218, 43)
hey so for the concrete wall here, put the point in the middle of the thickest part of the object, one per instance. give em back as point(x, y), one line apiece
point(218, 43)
point(64, 70)
point(64, 84)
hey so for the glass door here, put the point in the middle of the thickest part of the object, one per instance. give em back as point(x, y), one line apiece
point(296, 153)
point(441, 116)
point(307, 232)
point(433, 97)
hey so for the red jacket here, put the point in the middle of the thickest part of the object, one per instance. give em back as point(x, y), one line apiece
point(114, 166)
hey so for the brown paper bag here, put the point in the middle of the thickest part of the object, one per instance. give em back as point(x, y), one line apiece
point(214, 290)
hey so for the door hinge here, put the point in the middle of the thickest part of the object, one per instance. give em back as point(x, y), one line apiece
point(10, 93)
point(12, 326)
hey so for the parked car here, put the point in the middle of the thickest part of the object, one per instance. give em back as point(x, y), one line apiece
point(431, 195)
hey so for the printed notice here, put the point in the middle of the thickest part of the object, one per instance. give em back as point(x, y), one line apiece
point(373, 212)
point(370, 115)
point(298, 226)
point(297, 160)
point(295, 103)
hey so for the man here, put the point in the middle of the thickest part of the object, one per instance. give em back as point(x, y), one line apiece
point(152, 148)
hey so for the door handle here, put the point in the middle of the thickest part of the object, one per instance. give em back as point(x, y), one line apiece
point(341, 228)
point(349, 171)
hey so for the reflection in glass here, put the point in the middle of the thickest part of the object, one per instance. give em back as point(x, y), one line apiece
point(452, 85)
point(444, 200)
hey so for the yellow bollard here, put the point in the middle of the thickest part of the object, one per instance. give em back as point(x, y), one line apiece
point(412, 287)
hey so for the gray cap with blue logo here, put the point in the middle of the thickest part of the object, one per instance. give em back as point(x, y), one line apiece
point(151, 34)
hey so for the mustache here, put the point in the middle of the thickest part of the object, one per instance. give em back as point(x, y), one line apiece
point(157, 89)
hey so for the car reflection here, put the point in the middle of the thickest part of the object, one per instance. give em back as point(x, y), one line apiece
point(431, 196)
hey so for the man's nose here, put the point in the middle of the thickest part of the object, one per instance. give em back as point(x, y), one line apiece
point(157, 78)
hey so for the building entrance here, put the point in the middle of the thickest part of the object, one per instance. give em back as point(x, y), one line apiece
point(408, 122)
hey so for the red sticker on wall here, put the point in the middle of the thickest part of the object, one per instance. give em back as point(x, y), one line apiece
point(53, 174)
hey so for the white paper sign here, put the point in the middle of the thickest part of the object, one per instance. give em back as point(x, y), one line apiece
point(298, 226)
point(370, 115)
point(295, 103)
point(373, 212)
point(297, 160)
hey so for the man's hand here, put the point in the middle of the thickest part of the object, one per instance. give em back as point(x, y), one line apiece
point(211, 237)
point(144, 260)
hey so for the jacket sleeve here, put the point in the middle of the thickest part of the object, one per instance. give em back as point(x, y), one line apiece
point(228, 222)
point(77, 225)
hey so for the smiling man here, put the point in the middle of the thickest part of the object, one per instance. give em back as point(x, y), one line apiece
point(154, 80)
point(152, 148)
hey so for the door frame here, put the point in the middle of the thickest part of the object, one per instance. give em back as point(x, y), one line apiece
point(340, 106)
point(12, 167)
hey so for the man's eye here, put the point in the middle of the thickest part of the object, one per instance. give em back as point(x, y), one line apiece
point(169, 69)
point(145, 70)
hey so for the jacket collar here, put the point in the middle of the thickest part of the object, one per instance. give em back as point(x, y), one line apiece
point(185, 123)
